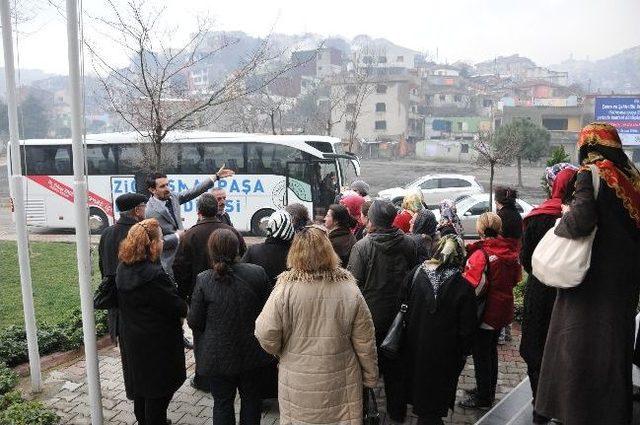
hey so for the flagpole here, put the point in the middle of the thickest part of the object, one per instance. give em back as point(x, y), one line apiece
point(16, 187)
point(81, 209)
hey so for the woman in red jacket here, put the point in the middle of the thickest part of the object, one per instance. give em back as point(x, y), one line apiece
point(493, 269)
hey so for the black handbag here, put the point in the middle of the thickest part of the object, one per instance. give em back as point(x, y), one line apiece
point(370, 414)
point(106, 296)
point(392, 342)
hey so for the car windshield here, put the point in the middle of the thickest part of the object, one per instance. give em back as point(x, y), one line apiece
point(412, 183)
point(466, 203)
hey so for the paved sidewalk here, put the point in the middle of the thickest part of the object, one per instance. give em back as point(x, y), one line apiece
point(66, 392)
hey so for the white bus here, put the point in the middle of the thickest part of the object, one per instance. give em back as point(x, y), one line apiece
point(271, 172)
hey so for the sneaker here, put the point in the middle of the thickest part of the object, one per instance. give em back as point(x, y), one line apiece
point(472, 402)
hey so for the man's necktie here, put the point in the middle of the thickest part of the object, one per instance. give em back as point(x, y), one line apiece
point(169, 205)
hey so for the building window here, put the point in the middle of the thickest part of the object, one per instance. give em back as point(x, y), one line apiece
point(457, 98)
point(464, 148)
point(555, 123)
point(443, 97)
point(381, 107)
point(459, 125)
point(487, 103)
point(381, 89)
point(400, 59)
point(319, 55)
point(381, 125)
point(382, 59)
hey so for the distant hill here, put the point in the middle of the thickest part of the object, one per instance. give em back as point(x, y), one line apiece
point(619, 73)
point(24, 77)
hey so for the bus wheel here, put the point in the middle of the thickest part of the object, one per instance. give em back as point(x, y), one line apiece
point(259, 222)
point(98, 220)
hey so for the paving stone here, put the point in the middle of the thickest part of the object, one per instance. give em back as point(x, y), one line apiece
point(66, 392)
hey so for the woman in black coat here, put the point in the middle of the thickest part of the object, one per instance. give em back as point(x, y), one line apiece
point(441, 321)
point(339, 223)
point(271, 255)
point(539, 298)
point(508, 212)
point(586, 368)
point(225, 303)
point(150, 328)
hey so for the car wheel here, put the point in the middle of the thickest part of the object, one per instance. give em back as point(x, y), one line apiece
point(98, 221)
point(259, 222)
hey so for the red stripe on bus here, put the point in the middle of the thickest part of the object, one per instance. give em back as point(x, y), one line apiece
point(66, 192)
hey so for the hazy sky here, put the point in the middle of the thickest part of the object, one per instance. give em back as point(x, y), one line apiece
point(548, 31)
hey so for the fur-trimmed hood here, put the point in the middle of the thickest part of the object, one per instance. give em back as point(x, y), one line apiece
point(338, 275)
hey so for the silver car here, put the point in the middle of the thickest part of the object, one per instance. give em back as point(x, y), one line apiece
point(471, 207)
point(435, 188)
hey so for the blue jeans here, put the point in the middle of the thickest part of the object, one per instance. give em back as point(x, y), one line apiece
point(223, 390)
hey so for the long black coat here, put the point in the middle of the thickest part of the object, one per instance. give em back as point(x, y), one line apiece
point(538, 298)
point(151, 344)
point(439, 336)
point(192, 256)
point(108, 261)
point(380, 263)
point(271, 255)
point(223, 316)
point(586, 369)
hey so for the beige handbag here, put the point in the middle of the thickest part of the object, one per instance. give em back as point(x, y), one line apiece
point(561, 262)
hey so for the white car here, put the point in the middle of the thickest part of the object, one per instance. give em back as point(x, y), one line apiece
point(471, 207)
point(435, 188)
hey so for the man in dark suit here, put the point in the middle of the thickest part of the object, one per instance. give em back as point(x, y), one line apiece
point(192, 256)
point(164, 206)
point(132, 210)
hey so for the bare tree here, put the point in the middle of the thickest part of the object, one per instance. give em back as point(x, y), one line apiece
point(153, 94)
point(493, 154)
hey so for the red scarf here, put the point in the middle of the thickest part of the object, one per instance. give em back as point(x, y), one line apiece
point(623, 186)
point(553, 205)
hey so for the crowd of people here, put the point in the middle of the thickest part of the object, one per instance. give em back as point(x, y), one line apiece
point(301, 317)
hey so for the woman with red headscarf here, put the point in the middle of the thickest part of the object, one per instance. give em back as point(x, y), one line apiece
point(538, 298)
point(353, 203)
point(585, 376)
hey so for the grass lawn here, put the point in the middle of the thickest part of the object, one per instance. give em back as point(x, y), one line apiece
point(54, 273)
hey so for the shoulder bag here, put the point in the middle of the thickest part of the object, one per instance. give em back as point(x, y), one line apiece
point(391, 344)
point(562, 262)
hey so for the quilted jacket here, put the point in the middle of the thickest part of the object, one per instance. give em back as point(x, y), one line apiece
point(321, 328)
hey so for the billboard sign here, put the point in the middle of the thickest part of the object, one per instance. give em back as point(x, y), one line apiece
point(623, 113)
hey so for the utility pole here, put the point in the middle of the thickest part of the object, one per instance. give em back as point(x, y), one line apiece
point(16, 185)
point(80, 204)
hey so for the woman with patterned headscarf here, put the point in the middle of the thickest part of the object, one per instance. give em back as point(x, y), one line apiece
point(441, 320)
point(450, 223)
point(271, 255)
point(423, 232)
point(586, 368)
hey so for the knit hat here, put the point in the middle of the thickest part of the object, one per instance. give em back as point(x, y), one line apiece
point(129, 201)
point(280, 226)
point(360, 186)
point(382, 213)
